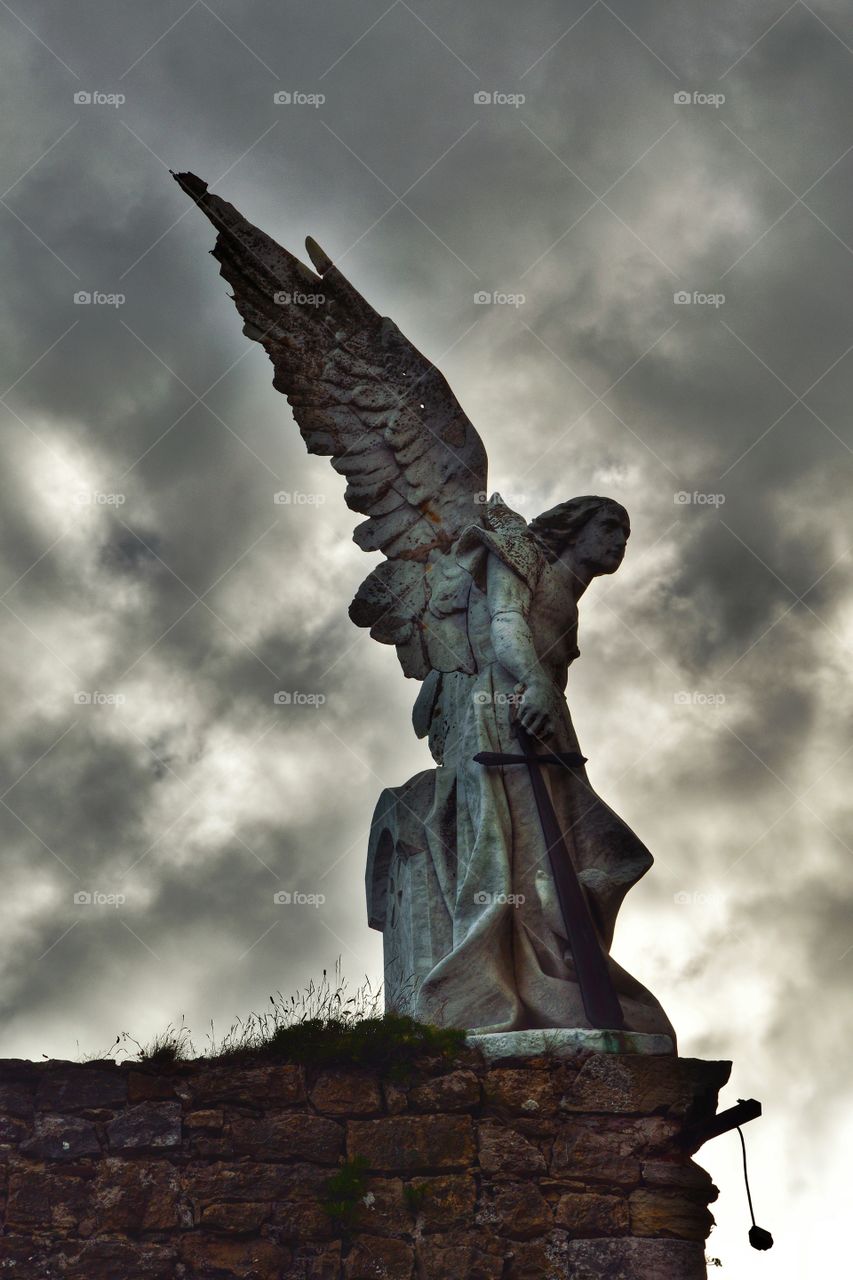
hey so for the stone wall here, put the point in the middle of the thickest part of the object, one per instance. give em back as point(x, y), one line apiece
point(537, 1169)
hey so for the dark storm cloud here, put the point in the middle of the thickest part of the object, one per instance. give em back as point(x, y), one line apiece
point(144, 447)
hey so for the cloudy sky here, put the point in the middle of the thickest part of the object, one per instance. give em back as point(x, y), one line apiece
point(155, 597)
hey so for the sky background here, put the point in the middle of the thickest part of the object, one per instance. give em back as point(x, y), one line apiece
point(146, 566)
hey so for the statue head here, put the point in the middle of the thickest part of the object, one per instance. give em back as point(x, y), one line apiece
point(589, 533)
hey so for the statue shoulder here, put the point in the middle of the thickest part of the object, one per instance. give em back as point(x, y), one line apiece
point(505, 534)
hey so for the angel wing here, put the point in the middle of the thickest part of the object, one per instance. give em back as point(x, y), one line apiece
point(361, 393)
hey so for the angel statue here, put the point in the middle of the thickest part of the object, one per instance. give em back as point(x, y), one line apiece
point(464, 880)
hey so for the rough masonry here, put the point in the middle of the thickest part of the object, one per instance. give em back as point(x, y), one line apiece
point(536, 1168)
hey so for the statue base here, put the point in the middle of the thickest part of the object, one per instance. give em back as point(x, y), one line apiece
point(566, 1042)
point(538, 1169)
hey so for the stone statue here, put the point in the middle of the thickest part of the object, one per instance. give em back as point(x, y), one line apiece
point(482, 608)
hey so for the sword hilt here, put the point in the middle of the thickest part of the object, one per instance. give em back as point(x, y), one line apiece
point(568, 759)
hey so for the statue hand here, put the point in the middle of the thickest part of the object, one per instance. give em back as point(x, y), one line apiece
point(536, 708)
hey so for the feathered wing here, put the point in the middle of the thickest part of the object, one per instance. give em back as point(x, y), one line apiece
point(361, 393)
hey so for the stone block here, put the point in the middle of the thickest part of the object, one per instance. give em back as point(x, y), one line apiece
point(147, 1086)
point(680, 1174)
point(105, 1259)
point(235, 1217)
point(635, 1260)
point(61, 1138)
point(280, 1135)
point(660, 1213)
point(17, 1098)
point(412, 1143)
point(134, 1196)
point(522, 1091)
point(149, 1126)
point(641, 1085)
point(437, 1203)
point(457, 1091)
point(42, 1199)
point(274, 1084)
point(377, 1258)
point(219, 1258)
point(507, 1154)
point(341, 1093)
point(542, 1259)
point(69, 1087)
point(519, 1210)
point(463, 1255)
point(592, 1215)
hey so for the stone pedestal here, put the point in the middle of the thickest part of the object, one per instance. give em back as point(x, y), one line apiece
point(518, 1169)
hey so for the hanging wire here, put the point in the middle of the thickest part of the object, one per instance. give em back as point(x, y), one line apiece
point(758, 1237)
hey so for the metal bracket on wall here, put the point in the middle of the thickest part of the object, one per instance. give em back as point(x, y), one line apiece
point(695, 1135)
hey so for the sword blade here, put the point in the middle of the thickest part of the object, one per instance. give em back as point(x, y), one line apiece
point(596, 984)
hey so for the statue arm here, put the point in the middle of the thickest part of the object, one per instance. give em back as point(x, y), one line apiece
point(512, 640)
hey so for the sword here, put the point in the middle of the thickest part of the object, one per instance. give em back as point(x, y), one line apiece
point(596, 985)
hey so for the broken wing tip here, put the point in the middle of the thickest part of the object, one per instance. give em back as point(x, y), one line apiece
point(189, 182)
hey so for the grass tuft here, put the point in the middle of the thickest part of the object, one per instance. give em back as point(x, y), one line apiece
point(321, 1026)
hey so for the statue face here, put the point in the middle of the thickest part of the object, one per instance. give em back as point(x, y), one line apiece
point(599, 548)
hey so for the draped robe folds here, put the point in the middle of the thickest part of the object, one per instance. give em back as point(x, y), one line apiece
point(510, 966)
